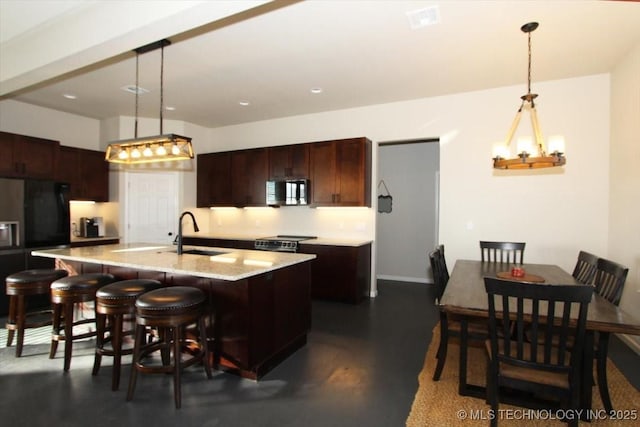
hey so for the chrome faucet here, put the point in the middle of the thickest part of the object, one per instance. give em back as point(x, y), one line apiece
point(195, 228)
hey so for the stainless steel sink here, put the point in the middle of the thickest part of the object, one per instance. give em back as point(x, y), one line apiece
point(201, 252)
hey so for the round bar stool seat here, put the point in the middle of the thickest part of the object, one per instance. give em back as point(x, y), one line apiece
point(65, 294)
point(170, 310)
point(114, 303)
point(19, 286)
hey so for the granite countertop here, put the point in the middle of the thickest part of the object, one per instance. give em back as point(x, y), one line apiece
point(317, 241)
point(226, 264)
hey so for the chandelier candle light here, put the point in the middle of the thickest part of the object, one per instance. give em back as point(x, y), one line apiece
point(151, 149)
point(528, 154)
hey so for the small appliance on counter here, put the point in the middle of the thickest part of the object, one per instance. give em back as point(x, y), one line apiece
point(91, 227)
point(9, 234)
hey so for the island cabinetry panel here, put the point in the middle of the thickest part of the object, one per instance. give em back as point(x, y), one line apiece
point(249, 173)
point(86, 171)
point(28, 157)
point(340, 273)
point(289, 162)
point(213, 180)
point(219, 243)
point(341, 172)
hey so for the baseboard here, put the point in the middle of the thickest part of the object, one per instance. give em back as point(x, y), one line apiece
point(631, 342)
point(404, 279)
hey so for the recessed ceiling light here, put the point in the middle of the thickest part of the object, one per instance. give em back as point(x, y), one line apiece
point(134, 89)
point(69, 96)
point(170, 108)
point(316, 90)
point(424, 17)
point(244, 103)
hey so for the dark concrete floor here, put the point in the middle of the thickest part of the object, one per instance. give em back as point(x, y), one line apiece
point(359, 368)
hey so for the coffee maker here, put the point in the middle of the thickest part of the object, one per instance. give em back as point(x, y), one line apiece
point(91, 227)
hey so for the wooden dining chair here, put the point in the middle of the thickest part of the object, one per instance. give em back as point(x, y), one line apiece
point(503, 252)
point(549, 363)
point(609, 283)
point(450, 325)
point(585, 269)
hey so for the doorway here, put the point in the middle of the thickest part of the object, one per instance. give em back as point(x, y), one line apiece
point(404, 236)
point(151, 209)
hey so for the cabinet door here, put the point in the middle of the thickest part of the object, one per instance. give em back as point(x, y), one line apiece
point(86, 171)
point(28, 157)
point(323, 173)
point(9, 165)
point(289, 162)
point(213, 180)
point(94, 176)
point(69, 171)
point(350, 177)
point(39, 157)
point(249, 173)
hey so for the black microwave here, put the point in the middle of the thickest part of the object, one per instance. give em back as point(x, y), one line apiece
point(288, 192)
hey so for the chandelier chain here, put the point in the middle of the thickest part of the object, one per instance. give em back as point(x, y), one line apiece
point(161, 84)
point(529, 68)
point(135, 128)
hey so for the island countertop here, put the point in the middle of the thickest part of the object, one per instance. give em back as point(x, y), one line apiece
point(226, 264)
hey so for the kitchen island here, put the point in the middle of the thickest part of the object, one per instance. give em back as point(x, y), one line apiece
point(259, 302)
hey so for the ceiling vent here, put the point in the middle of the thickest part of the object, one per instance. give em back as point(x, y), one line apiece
point(424, 17)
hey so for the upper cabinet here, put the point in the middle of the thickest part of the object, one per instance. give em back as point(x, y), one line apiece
point(289, 162)
point(86, 171)
point(214, 180)
point(341, 172)
point(27, 156)
point(249, 174)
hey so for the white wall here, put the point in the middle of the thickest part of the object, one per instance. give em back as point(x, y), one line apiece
point(624, 201)
point(69, 129)
point(552, 210)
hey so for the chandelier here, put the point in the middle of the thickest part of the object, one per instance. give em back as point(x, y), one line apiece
point(529, 153)
point(159, 148)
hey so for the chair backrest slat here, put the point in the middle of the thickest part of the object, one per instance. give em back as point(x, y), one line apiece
point(502, 252)
point(609, 280)
point(585, 269)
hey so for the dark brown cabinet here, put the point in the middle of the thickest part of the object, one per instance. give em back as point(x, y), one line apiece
point(341, 172)
point(27, 156)
point(214, 180)
point(249, 173)
point(289, 162)
point(340, 273)
point(86, 171)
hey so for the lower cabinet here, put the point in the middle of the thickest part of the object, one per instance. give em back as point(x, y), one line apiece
point(10, 262)
point(340, 273)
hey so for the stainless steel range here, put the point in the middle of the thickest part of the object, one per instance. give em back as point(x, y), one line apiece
point(280, 243)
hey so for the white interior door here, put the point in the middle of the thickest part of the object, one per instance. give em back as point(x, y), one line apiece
point(151, 208)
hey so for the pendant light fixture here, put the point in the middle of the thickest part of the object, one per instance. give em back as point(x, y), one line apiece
point(159, 148)
point(529, 155)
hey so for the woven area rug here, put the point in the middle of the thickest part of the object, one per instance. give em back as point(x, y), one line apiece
point(437, 403)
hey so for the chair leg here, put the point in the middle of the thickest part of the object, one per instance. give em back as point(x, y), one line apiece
point(100, 331)
point(11, 318)
point(57, 314)
point(20, 322)
point(116, 343)
point(492, 391)
point(205, 346)
point(177, 365)
point(68, 334)
point(601, 367)
point(137, 345)
point(462, 368)
point(441, 355)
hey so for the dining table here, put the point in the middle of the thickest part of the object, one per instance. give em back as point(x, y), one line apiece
point(465, 297)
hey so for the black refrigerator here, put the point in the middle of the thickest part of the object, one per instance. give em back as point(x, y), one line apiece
point(38, 210)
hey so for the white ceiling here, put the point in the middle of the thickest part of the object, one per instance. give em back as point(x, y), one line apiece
point(359, 52)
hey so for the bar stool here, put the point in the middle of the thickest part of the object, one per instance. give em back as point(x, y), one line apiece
point(19, 286)
point(170, 310)
point(65, 293)
point(113, 303)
